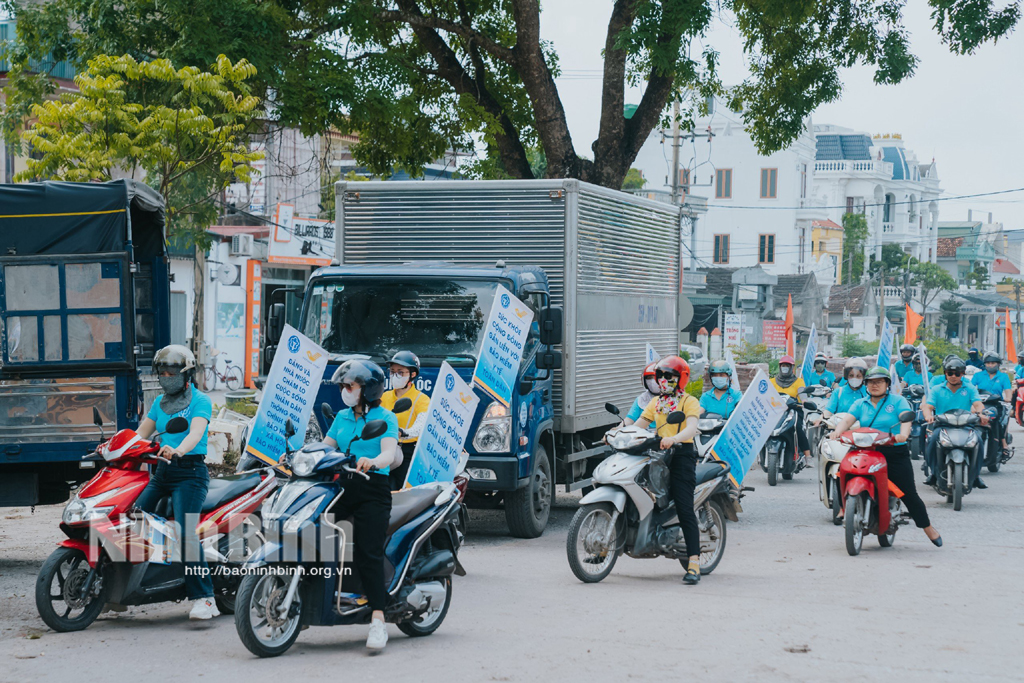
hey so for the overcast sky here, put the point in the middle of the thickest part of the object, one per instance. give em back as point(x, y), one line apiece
point(964, 111)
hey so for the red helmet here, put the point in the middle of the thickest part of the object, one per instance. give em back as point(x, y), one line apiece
point(649, 380)
point(674, 365)
point(787, 359)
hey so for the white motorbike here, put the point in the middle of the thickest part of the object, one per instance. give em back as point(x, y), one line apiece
point(630, 510)
point(710, 426)
point(830, 455)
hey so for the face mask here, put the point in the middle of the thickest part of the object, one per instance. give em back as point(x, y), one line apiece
point(855, 382)
point(350, 397)
point(399, 381)
point(173, 385)
point(819, 367)
point(785, 370)
point(668, 386)
point(720, 382)
point(992, 371)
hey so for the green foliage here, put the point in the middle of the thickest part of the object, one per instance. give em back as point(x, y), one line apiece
point(851, 345)
point(951, 316)
point(415, 78)
point(633, 180)
point(695, 387)
point(855, 234)
point(938, 346)
point(756, 353)
point(977, 278)
point(931, 279)
point(186, 130)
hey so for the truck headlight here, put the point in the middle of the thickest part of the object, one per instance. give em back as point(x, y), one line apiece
point(494, 434)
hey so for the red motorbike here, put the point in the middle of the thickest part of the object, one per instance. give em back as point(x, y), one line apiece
point(109, 557)
point(871, 502)
point(1018, 402)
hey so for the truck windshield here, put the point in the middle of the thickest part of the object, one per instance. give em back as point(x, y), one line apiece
point(433, 318)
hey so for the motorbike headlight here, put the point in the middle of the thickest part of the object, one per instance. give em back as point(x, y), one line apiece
point(81, 510)
point(304, 462)
point(293, 523)
point(863, 440)
point(494, 434)
point(944, 440)
point(826, 447)
point(972, 439)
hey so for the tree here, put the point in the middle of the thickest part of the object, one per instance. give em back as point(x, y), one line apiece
point(931, 280)
point(977, 278)
point(413, 78)
point(633, 180)
point(855, 234)
point(951, 316)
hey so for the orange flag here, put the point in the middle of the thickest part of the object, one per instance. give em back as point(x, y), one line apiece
point(1011, 352)
point(790, 337)
point(913, 321)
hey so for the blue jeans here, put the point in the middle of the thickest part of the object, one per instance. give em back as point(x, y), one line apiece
point(186, 482)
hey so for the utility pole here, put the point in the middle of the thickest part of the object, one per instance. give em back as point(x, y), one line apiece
point(881, 295)
point(675, 152)
point(849, 269)
point(1016, 289)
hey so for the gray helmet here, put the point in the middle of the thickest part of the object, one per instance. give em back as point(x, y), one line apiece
point(720, 367)
point(992, 358)
point(907, 347)
point(174, 358)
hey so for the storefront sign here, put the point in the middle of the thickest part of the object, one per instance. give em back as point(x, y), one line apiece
point(253, 289)
point(774, 333)
point(452, 406)
point(749, 426)
point(502, 350)
point(733, 330)
point(289, 392)
point(300, 241)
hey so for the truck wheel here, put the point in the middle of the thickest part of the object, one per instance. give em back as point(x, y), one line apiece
point(527, 509)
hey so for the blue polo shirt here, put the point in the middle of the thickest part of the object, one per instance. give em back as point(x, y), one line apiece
point(844, 397)
point(1018, 371)
point(346, 427)
point(723, 406)
point(888, 413)
point(903, 368)
point(912, 376)
point(992, 384)
point(199, 406)
point(813, 378)
point(943, 400)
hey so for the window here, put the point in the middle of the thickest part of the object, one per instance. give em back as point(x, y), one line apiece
point(723, 183)
point(849, 205)
point(766, 249)
point(721, 254)
point(769, 182)
point(684, 181)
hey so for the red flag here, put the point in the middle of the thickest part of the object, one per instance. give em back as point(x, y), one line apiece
point(790, 337)
point(1011, 352)
point(913, 321)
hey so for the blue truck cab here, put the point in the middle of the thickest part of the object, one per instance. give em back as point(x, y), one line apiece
point(439, 312)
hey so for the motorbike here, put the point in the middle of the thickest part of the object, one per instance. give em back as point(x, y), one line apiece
point(710, 426)
point(830, 455)
point(957, 452)
point(871, 503)
point(300, 577)
point(781, 452)
point(999, 422)
point(1018, 401)
point(814, 425)
point(914, 393)
point(108, 558)
point(630, 511)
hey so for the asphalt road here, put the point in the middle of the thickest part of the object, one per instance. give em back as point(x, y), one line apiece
point(786, 604)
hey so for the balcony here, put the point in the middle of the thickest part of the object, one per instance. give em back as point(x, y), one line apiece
point(893, 293)
point(888, 227)
point(848, 167)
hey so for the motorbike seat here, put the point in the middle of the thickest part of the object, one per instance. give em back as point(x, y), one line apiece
point(224, 489)
point(405, 505)
point(706, 471)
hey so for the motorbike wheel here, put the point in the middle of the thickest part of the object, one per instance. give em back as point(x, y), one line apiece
point(527, 509)
point(428, 622)
point(762, 459)
point(252, 540)
point(855, 524)
point(958, 486)
point(260, 629)
point(716, 532)
point(68, 569)
point(581, 545)
point(837, 504)
point(773, 468)
point(886, 540)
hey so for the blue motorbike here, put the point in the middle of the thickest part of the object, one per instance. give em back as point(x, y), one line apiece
point(302, 575)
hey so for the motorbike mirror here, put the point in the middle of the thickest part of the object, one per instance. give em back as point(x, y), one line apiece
point(97, 419)
point(676, 418)
point(289, 429)
point(810, 405)
point(176, 425)
point(373, 429)
point(611, 408)
point(907, 416)
point(327, 411)
point(402, 405)
point(822, 382)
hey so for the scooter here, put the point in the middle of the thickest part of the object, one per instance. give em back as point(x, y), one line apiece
point(301, 576)
point(998, 429)
point(914, 393)
point(781, 453)
point(630, 510)
point(813, 418)
point(1018, 401)
point(110, 559)
point(831, 454)
point(871, 503)
point(957, 453)
point(710, 426)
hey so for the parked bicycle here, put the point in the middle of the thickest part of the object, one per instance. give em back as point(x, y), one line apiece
point(232, 375)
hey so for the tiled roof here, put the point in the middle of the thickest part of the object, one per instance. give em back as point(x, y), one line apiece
point(829, 224)
point(847, 296)
point(792, 284)
point(719, 281)
point(898, 159)
point(832, 147)
point(1001, 265)
point(947, 246)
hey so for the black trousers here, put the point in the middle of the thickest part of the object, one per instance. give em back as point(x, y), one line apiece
point(398, 474)
point(901, 473)
point(368, 504)
point(801, 434)
point(683, 470)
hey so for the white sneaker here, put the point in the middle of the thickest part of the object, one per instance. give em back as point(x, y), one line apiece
point(378, 636)
point(204, 608)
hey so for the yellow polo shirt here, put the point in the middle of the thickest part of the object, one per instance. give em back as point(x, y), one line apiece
point(792, 390)
point(690, 408)
point(420, 405)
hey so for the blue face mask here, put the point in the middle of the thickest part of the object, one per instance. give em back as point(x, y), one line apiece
point(720, 382)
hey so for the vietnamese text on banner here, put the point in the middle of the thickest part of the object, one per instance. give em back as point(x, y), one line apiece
point(502, 349)
point(749, 426)
point(452, 406)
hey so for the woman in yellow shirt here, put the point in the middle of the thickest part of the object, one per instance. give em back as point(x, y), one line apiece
point(672, 374)
point(405, 368)
point(788, 384)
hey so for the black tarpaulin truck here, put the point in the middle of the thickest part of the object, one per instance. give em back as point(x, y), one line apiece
point(84, 304)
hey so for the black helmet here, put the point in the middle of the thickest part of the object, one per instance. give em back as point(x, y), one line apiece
point(954, 363)
point(878, 372)
point(407, 359)
point(366, 374)
point(907, 348)
point(176, 359)
point(992, 358)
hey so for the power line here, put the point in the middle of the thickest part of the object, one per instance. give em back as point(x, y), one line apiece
point(843, 206)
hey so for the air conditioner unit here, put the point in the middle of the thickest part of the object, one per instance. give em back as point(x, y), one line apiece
point(241, 245)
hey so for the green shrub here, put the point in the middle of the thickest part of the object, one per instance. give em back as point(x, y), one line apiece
point(695, 387)
point(852, 345)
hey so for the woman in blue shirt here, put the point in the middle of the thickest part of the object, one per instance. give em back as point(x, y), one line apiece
point(185, 478)
point(366, 501)
point(820, 373)
point(849, 390)
point(881, 410)
point(722, 398)
point(997, 383)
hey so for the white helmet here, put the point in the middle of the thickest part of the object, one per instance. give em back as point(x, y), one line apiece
point(174, 358)
point(854, 364)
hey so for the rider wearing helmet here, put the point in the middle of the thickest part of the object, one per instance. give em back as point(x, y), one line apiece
point(973, 359)
point(366, 501)
point(651, 389)
point(787, 383)
point(881, 410)
point(992, 381)
point(722, 398)
point(405, 368)
point(185, 478)
point(952, 394)
point(672, 374)
point(915, 374)
point(907, 352)
point(820, 375)
point(850, 390)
